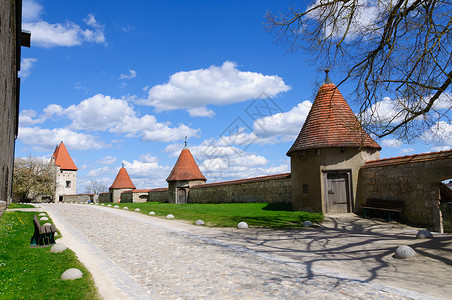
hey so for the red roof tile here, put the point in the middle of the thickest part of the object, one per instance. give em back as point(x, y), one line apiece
point(63, 159)
point(159, 190)
point(122, 180)
point(331, 123)
point(247, 180)
point(137, 191)
point(185, 168)
point(408, 159)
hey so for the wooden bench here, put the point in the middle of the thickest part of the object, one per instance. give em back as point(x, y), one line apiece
point(43, 235)
point(389, 206)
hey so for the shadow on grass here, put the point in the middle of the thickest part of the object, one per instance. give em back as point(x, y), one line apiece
point(278, 207)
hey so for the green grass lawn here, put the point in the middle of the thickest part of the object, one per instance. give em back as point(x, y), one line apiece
point(230, 214)
point(34, 273)
point(19, 205)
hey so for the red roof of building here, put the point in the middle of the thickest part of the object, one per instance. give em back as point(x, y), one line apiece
point(331, 123)
point(122, 180)
point(62, 158)
point(247, 180)
point(159, 190)
point(137, 191)
point(185, 168)
point(408, 159)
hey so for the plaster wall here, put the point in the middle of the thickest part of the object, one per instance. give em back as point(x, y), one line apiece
point(268, 191)
point(116, 194)
point(173, 186)
point(61, 188)
point(417, 184)
point(8, 90)
point(308, 167)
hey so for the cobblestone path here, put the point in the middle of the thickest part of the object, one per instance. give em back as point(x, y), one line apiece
point(158, 263)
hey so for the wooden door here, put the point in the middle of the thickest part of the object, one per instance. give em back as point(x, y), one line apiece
point(181, 196)
point(337, 194)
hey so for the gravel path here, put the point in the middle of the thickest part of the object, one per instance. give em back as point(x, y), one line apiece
point(144, 260)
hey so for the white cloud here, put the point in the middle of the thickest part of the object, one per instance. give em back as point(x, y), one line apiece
point(132, 74)
point(407, 150)
point(440, 134)
point(107, 160)
point(103, 113)
point(42, 139)
point(214, 85)
point(201, 112)
point(27, 117)
point(391, 143)
point(44, 34)
point(96, 173)
point(25, 66)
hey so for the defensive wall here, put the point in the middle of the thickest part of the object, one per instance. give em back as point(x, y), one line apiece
point(104, 198)
point(415, 179)
point(267, 189)
point(158, 194)
point(135, 196)
point(79, 198)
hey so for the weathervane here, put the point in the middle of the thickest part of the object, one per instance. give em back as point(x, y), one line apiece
point(185, 141)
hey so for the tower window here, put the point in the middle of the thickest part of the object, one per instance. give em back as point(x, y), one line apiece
point(305, 189)
point(68, 184)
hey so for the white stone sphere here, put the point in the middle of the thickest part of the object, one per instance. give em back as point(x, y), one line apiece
point(71, 274)
point(152, 213)
point(42, 214)
point(404, 252)
point(199, 222)
point(242, 225)
point(125, 207)
point(102, 204)
point(170, 216)
point(424, 234)
point(57, 248)
point(56, 234)
point(137, 209)
point(116, 206)
point(307, 224)
point(46, 224)
point(43, 219)
point(109, 205)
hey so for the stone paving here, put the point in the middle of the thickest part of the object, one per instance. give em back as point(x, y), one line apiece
point(159, 263)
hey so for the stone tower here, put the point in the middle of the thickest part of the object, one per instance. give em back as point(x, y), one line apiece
point(184, 174)
point(326, 156)
point(121, 183)
point(65, 173)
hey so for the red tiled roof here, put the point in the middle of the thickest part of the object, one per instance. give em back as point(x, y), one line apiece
point(159, 190)
point(63, 159)
point(247, 180)
point(185, 168)
point(408, 159)
point(122, 180)
point(137, 191)
point(331, 123)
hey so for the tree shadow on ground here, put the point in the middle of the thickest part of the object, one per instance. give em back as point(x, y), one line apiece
point(278, 207)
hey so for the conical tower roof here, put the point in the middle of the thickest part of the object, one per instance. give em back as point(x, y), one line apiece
point(122, 180)
point(62, 158)
point(331, 123)
point(185, 168)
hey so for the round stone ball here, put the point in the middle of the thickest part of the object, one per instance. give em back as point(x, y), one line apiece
point(46, 224)
point(102, 204)
point(151, 213)
point(125, 207)
point(44, 219)
point(170, 216)
point(404, 252)
point(56, 234)
point(71, 274)
point(137, 209)
point(199, 222)
point(42, 214)
point(109, 205)
point(424, 234)
point(116, 206)
point(307, 224)
point(242, 225)
point(57, 248)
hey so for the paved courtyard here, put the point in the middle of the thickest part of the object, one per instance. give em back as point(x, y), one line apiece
point(134, 256)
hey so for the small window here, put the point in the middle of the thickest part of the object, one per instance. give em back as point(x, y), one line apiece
point(305, 189)
point(68, 184)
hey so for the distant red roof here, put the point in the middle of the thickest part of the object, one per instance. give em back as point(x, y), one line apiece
point(122, 180)
point(242, 181)
point(137, 191)
point(331, 123)
point(159, 190)
point(185, 168)
point(408, 159)
point(62, 158)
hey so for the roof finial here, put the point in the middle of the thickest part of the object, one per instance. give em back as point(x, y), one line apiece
point(327, 78)
point(122, 165)
point(185, 141)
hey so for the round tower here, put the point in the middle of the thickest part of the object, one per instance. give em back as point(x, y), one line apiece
point(326, 156)
point(121, 183)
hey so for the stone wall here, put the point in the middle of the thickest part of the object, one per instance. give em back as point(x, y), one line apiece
point(79, 198)
point(416, 182)
point(135, 196)
point(9, 57)
point(267, 189)
point(158, 195)
point(104, 198)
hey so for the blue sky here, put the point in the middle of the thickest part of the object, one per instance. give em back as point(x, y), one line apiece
point(125, 82)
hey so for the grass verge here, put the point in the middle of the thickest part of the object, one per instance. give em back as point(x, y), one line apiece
point(276, 216)
point(34, 273)
point(20, 205)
